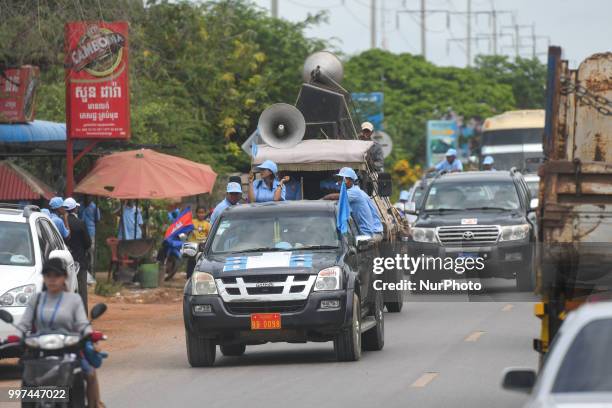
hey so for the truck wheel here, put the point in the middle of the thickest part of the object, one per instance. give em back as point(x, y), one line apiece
point(374, 339)
point(348, 343)
point(201, 352)
point(232, 350)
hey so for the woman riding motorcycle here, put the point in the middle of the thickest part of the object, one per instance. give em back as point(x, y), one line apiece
point(55, 309)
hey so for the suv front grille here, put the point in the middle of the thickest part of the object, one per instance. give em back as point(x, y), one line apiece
point(265, 307)
point(263, 288)
point(468, 235)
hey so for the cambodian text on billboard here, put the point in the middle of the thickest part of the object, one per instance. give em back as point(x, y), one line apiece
point(97, 90)
point(441, 136)
point(18, 94)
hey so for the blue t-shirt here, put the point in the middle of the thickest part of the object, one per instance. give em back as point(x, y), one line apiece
point(377, 226)
point(263, 193)
point(219, 210)
point(90, 215)
point(126, 230)
point(360, 210)
point(444, 165)
point(59, 223)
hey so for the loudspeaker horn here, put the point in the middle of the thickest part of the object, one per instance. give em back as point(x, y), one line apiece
point(281, 125)
point(324, 67)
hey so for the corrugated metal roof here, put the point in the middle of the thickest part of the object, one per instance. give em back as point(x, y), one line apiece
point(33, 132)
point(18, 184)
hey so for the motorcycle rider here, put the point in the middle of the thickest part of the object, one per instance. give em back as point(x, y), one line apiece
point(56, 309)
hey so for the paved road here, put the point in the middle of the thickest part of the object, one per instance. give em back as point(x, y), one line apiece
point(437, 354)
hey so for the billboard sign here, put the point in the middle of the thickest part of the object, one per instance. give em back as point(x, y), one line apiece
point(369, 107)
point(18, 94)
point(97, 88)
point(441, 136)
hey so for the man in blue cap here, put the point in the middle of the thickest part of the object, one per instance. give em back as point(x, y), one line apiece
point(59, 216)
point(363, 209)
point(487, 164)
point(268, 188)
point(233, 196)
point(450, 165)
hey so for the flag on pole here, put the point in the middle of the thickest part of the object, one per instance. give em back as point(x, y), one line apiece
point(182, 224)
point(344, 210)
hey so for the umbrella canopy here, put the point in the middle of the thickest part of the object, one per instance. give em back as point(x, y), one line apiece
point(18, 184)
point(146, 174)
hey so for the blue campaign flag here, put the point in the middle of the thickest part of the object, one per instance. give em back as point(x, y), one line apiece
point(344, 211)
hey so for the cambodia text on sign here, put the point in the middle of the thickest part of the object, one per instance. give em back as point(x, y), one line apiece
point(97, 90)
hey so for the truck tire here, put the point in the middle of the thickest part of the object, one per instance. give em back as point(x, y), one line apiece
point(347, 344)
point(232, 350)
point(374, 339)
point(201, 352)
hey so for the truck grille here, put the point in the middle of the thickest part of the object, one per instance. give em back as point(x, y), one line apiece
point(468, 235)
point(265, 307)
point(264, 288)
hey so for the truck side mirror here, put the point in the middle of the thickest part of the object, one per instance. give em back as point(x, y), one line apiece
point(533, 204)
point(521, 380)
point(189, 249)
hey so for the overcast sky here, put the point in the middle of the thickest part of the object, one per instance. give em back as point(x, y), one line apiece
point(581, 27)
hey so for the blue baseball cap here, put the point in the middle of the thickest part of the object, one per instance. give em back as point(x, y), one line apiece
point(451, 152)
point(56, 202)
point(269, 165)
point(233, 187)
point(347, 172)
point(404, 195)
point(488, 160)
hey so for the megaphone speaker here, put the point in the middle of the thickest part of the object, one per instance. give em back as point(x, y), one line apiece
point(281, 126)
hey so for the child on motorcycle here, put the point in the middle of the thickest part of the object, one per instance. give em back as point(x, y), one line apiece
point(55, 309)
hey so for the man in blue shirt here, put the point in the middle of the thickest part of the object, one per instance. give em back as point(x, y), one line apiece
point(233, 196)
point(130, 223)
point(363, 209)
point(268, 188)
point(450, 165)
point(487, 164)
point(59, 216)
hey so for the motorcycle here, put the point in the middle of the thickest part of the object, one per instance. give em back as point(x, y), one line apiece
point(53, 359)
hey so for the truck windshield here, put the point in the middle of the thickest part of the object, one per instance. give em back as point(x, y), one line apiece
point(587, 365)
point(512, 147)
point(15, 244)
point(472, 195)
point(268, 232)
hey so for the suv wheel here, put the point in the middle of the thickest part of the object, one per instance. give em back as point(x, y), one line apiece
point(201, 352)
point(374, 339)
point(233, 350)
point(348, 343)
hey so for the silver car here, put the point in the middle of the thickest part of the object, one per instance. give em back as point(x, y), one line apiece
point(577, 371)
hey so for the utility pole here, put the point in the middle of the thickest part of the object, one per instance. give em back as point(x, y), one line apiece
point(533, 41)
point(517, 38)
point(274, 8)
point(423, 31)
point(383, 26)
point(468, 49)
point(372, 23)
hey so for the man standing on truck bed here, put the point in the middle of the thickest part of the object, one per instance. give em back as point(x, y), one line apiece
point(232, 196)
point(376, 151)
point(450, 165)
point(362, 209)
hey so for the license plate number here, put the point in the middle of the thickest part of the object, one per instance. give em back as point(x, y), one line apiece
point(265, 321)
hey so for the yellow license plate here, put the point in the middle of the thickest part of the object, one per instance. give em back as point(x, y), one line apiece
point(265, 321)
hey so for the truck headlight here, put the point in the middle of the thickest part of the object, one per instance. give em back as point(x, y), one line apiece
point(328, 279)
point(19, 296)
point(514, 232)
point(203, 283)
point(424, 234)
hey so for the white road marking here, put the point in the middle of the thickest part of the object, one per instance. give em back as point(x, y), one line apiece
point(424, 380)
point(474, 336)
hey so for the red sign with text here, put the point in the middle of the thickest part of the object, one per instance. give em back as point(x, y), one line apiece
point(18, 93)
point(97, 88)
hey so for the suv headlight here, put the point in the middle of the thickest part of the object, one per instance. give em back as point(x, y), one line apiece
point(203, 283)
point(328, 279)
point(514, 232)
point(19, 296)
point(423, 234)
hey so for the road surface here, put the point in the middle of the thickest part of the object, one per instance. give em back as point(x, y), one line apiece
point(436, 354)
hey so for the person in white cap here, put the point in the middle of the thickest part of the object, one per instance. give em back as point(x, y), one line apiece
point(232, 197)
point(450, 165)
point(487, 164)
point(376, 152)
point(78, 243)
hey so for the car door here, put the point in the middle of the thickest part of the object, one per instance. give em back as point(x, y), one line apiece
point(363, 263)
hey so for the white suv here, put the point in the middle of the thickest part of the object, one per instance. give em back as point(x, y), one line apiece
point(28, 237)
